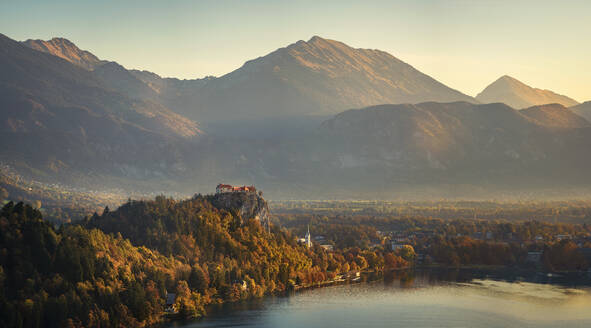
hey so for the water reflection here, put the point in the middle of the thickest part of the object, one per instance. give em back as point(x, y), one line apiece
point(422, 298)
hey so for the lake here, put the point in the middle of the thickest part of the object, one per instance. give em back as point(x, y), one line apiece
point(428, 298)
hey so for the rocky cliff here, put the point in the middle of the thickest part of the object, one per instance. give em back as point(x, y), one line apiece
point(248, 205)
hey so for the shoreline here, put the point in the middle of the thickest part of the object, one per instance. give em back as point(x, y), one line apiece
point(355, 278)
point(494, 273)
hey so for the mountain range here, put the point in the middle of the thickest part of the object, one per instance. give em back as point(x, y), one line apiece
point(67, 115)
point(317, 77)
point(385, 148)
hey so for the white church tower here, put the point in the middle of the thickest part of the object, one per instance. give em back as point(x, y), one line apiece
point(308, 238)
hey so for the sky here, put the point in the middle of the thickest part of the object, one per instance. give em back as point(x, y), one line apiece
point(463, 44)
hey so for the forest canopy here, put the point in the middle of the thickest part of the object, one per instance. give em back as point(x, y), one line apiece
point(117, 269)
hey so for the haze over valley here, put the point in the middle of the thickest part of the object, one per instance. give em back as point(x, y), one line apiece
point(311, 115)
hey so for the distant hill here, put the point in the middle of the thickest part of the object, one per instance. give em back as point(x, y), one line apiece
point(422, 148)
point(430, 136)
point(519, 95)
point(583, 110)
point(414, 151)
point(555, 116)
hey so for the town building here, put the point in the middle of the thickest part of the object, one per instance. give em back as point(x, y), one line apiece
point(563, 237)
point(328, 247)
point(396, 246)
point(170, 300)
point(319, 238)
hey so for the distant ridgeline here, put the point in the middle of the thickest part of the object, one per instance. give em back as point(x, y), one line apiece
point(148, 260)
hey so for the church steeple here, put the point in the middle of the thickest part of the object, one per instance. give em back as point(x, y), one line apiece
point(308, 238)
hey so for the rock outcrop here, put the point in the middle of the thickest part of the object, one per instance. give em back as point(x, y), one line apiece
point(248, 205)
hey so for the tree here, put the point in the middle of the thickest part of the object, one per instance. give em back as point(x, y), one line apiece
point(4, 194)
point(198, 280)
point(392, 261)
point(361, 262)
point(407, 252)
point(186, 301)
point(345, 268)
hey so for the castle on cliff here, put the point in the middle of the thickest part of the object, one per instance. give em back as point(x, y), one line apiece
point(224, 188)
point(245, 200)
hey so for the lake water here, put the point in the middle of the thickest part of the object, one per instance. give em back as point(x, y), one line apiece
point(421, 299)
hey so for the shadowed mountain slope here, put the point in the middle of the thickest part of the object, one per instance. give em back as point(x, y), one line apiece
point(430, 135)
point(111, 74)
point(583, 110)
point(57, 115)
point(555, 116)
point(386, 150)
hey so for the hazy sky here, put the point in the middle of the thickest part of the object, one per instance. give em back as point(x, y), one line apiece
point(464, 44)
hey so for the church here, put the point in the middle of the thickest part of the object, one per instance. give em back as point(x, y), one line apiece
point(307, 240)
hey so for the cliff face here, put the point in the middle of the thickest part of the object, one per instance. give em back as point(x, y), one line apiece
point(248, 205)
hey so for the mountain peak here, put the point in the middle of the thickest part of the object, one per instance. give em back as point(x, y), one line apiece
point(58, 40)
point(316, 38)
point(517, 94)
point(322, 76)
point(65, 49)
point(508, 78)
point(317, 44)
